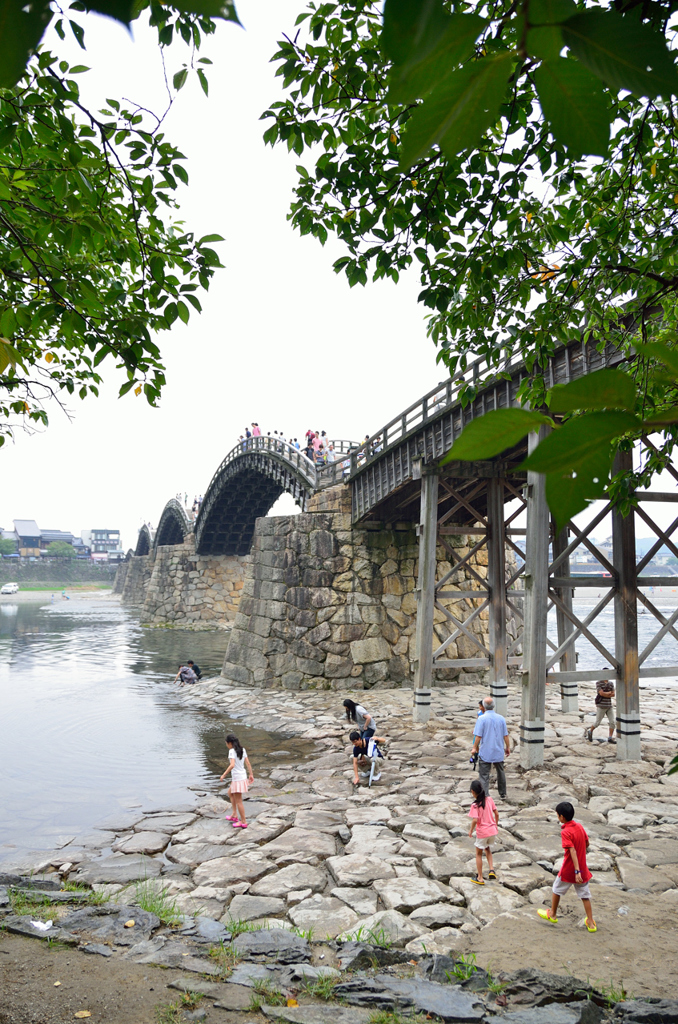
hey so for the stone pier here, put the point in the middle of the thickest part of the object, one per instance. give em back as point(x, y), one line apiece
point(325, 602)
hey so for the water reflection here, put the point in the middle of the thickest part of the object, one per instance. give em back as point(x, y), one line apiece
point(91, 721)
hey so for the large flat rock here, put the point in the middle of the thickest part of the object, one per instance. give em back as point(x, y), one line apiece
point(143, 842)
point(524, 879)
point(386, 924)
point(439, 915)
point(358, 870)
point(654, 852)
point(410, 892)
point(278, 945)
point(112, 922)
point(373, 841)
point(224, 871)
point(319, 1014)
point(635, 875)
point(442, 868)
point(635, 1011)
point(363, 901)
point(491, 902)
point(583, 1012)
point(320, 820)
point(325, 916)
point(301, 842)
point(248, 908)
point(384, 992)
point(119, 868)
point(168, 823)
point(192, 854)
point(289, 879)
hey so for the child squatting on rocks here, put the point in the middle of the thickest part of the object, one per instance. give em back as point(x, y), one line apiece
point(242, 778)
point(573, 870)
point(485, 821)
point(364, 749)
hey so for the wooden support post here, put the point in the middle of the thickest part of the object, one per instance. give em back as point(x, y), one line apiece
point(569, 692)
point(536, 608)
point(496, 578)
point(426, 582)
point(626, 627)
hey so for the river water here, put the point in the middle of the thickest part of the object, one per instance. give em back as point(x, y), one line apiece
point(90, 721)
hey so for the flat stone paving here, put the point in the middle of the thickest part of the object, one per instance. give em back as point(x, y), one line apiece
point(326, 861)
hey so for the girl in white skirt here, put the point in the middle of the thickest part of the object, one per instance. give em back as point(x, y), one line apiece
point(241, 779)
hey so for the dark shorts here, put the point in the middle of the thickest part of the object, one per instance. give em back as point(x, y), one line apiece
point(366, 734)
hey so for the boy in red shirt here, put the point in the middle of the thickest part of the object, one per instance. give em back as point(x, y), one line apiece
point(573, 870)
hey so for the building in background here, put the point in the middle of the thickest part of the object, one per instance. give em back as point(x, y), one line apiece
point(28, 536)
point(104, 545)
point(47, 537)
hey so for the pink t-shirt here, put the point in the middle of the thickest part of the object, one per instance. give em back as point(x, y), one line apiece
point(486, 824)
point(316, 443)
point(256, 431)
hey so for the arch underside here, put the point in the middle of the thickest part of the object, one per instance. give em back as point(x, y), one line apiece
point(171, 528)
point(247, 490)
point(144, 542)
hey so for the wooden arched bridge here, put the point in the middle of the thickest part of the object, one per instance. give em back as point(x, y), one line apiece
point(394, 477)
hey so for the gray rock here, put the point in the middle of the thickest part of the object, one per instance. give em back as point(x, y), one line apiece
point(168, 823)
point(654, 852)
point(143, 842)
point(6, 906)
point(247, 908)
point(448, 1002)
point(442, 868)
point(360, 956)
point(28, 882)
point(211, 989)
point(245, 975)
point(326, 916)
point(208, 930)
point(635, 875)
point(234, 997)
point(296, 840)
point(559, 1013)
point(636, 1011)
point(410, 892)
point(356, 869)
point(291, 878)
point(320, 820)
point(319, 1014)
point(394, 926)
point(21, 925)
point(428, 832)
point(278, 944)
point(543, 987)
point(173, 954)
point(107, 923)
point(192, 854)
point(523, 880)
point(223, 871)
point(363, 901)
point(96, 947)
point(118, 868)
point(438, 915)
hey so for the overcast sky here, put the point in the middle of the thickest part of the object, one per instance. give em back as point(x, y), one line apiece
point(282, 339)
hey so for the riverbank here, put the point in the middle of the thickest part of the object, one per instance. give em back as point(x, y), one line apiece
point(41, 592)
point(394, 863)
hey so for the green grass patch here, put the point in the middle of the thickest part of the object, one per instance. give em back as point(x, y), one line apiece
point(266, 992)
point(372, 936)
point(225, 956)
point(169, 1013)
point(237, 926)
point(156, 900)
point(36, 906)
point(463, 968)
point(323, 987)
point(394, 1017)
point(614, 992)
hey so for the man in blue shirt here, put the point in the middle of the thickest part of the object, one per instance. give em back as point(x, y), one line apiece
point(492, 746)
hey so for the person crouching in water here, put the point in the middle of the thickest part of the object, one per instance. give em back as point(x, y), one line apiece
point(363, 750)
point(242, 778)
point(485, 822)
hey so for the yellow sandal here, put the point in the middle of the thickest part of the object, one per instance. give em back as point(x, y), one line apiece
point(545, 916)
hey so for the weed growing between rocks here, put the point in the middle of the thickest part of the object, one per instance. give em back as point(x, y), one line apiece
point(307, 934)
point(372, 937)
point(157, 901)
point(170, 1013)
point(266, 992)
point(225, 957)
point(35, 906)
point(323, 987)
point(394, 1017)
point(94, 899)
point(613, 993)
point(463, 968)
point(237, 927)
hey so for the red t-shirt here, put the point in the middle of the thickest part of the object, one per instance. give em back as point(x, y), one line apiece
point(574, 835)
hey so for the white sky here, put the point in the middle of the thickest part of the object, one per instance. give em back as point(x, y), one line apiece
point(282, 339)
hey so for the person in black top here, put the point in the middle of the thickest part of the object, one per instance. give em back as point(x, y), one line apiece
point(196, 668)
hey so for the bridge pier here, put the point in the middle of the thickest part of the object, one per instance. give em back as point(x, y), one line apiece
point(426, 587)
point(536, 617)
point(569, 690)
point(626, 627)
point(496, 579)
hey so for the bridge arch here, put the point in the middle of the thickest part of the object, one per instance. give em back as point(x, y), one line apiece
point(173, 526)
point(144, 541)
point(246, 485)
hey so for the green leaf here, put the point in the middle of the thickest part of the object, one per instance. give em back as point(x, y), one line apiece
point(425, 44)
point(210, 238)
point(550, 12)
point(157, 265)
point(179, 80)
point(568, 447)
point(659, 419)
point(573, 102)
point(493, 433)
point(209, 8)
point(203, 81)
point(545, 42)
point(21, 29)
point(603, 389)
point(121, 10)
point(7, 135)
point(459, 110)
point(624, 52)
point(567, 494)
point(662, 353)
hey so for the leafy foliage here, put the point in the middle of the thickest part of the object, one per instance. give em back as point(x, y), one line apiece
point(93, 266)
point(61, 549)
point(463, 138)
point(7, 546)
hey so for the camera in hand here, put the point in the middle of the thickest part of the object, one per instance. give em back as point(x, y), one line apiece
point(473, 759)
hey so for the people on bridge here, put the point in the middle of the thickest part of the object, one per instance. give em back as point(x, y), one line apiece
point(242, 778)
point(256, 432)
point(329, 455)
point(186, 675)
point(491, 744)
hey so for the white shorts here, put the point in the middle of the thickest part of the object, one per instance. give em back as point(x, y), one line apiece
point(582, 889)
point(485, 842)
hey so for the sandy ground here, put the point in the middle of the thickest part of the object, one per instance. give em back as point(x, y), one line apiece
point(114, 991)
point(638, 949)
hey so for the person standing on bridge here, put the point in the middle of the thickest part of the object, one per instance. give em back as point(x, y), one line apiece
point(256, 432)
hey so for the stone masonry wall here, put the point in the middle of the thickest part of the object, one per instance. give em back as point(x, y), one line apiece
point(175, 585)
point(325, 602)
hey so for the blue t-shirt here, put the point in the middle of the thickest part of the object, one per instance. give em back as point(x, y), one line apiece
point(491, 728)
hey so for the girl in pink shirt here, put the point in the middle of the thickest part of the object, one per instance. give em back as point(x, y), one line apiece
point(485, 821)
